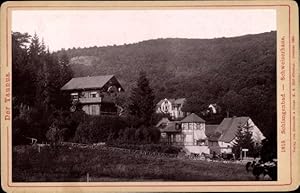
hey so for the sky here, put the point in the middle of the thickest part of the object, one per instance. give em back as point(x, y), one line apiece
point(87, 28)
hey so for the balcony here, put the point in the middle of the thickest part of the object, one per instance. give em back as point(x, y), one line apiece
point(90, 100)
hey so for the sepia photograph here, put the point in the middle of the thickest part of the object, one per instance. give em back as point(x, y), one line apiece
point(144, 95)
point(111, 95)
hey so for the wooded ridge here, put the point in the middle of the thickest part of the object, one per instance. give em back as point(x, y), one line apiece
point(237, 73)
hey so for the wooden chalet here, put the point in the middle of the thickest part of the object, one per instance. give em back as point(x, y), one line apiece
point(95, 95)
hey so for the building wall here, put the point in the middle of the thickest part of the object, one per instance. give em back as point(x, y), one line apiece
point(193, 132)
point(87, 94)
point(91, 109)
point(197, 149)
point(225, 147)
point(172, 138)
point(194, 138)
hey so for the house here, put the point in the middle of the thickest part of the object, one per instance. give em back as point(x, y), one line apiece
point(95, 95)
point(225, 133)
point(171, 133)
point(197, 137)
point(188, 133)
point(211, 110)
point(172, 107)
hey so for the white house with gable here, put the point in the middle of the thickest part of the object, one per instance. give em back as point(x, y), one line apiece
point(173, 107)
point(227, 131)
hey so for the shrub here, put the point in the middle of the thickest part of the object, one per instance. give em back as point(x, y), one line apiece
point(143, 135)
point(30, 122)
point(94, 129)
point(160, 148)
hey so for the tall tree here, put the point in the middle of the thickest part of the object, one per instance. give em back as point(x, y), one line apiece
point(63, 75)
point(23, 91)
point(243, 140)
point(38, 76)
point(66, 71)
point(142, 106)
point(36, 66)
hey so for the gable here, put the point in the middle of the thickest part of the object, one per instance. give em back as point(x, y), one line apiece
point(192, 118)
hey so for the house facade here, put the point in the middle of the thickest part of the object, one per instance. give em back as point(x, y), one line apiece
point(188, 133)
point(95, 95)
point(227, 130)
point(172, 107)
point(196, 137)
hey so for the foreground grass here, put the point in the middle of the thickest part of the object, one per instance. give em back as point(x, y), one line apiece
point(72, 164)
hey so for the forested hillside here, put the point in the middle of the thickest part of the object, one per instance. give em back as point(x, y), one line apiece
point(236, 73)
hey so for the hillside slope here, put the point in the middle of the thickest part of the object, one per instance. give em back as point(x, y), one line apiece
point(238, 73)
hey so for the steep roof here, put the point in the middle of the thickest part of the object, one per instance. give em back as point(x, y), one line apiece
point(210, 129)
point(164, 120)
point(229, 127)
point(178, 101)
point(89, 82)
point(192, 118)
point(171, 127)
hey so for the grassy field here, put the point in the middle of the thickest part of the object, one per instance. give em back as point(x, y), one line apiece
point(71, 164)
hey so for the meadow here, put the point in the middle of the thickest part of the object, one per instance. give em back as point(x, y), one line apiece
point(72, 164)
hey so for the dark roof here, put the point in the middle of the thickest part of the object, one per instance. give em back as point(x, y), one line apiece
point(89, 82)
point(164, 120)
point(192, 118)
point(171, 127)
point(178, 101)
point(229, 127)
point(210, 129)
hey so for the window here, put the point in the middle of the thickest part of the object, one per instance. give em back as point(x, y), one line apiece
point(74, 96)
point(201, 142)
point(93, 94)
point(165, 107)
point(94, 110)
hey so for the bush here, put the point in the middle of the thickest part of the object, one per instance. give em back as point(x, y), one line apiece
point(30, 122)
point(67, 122)
point(143, 135)
point(94, 129)
point(159, 148)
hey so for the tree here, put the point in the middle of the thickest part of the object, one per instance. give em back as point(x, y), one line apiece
point(234, 103)
point(66, 71)
point(37, 66)
point(38, 76)
point(23, 91)
point(142, 106)
point(243, 140)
